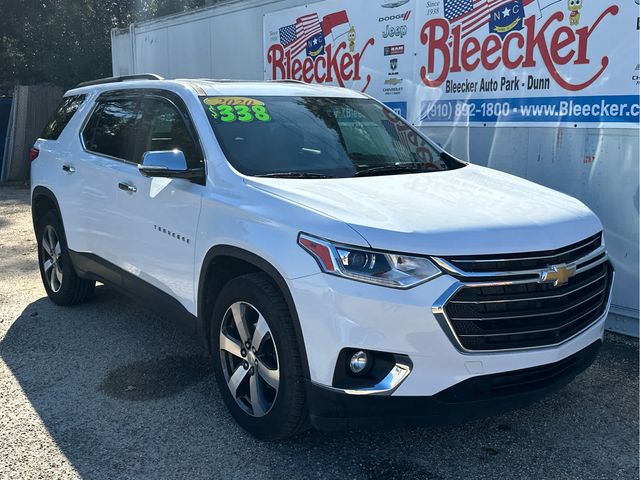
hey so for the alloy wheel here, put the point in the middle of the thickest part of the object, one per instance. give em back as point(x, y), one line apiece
point(249, 359)
point(52, 258)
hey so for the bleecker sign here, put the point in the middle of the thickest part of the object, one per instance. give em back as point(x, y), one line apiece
point(527, 62)
point(516, 50)
point(346, 44)
point(464, 62)
point(318, 47)
point(337, 63)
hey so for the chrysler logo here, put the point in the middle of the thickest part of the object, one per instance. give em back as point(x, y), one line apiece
point(558, 274)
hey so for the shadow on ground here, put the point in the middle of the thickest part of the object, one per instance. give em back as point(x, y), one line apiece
point(125, 393)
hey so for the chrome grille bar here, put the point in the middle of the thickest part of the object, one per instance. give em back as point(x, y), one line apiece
point(530, 315)
point(457, 272)
point(528, 299)
point(528, 332)
point(524, 259)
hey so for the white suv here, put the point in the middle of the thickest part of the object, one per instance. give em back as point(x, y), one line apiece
point(341, 268)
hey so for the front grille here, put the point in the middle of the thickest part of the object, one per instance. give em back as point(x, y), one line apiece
point(519, 262)
point(509, 312)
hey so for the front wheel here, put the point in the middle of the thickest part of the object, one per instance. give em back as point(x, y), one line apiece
point(257, 360)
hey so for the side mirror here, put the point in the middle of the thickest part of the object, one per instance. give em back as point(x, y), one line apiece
point(168, 164)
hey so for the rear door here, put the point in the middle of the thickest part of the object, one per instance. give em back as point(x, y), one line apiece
point(108, 139)
point(159, 216)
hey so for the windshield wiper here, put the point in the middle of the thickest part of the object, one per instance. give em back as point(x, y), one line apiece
point(404, 167)
point(295, 175)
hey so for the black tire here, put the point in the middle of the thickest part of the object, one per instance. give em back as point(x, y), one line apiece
point(71, 290)
point(288, 415)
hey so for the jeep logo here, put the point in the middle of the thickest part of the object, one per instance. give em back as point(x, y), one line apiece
point(399, 31)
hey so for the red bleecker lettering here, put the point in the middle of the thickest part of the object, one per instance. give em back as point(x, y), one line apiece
point(435, 43)
point(307, 70)
point(562, 37)
point(332, 62)
point(555, 47)
point(508, 62)
point(490, 46)
point(469, 49)
point(275, 57)
point(358, 58)
point(585, 32)
point(336, 64)
point(321, 62)
point(345, 67)
point(456, 32)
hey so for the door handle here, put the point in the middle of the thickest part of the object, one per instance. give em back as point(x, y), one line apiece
point(127, 188)
point(68, 168)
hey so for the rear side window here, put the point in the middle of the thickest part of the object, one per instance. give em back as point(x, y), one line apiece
point(65, 111)
point(111, 130)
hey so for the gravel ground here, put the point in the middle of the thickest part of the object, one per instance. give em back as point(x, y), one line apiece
point(109, 390)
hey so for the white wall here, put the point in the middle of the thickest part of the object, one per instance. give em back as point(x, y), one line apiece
point(598, 166)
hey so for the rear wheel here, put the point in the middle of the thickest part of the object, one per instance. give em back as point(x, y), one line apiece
point(257, 360)
point(62, 284)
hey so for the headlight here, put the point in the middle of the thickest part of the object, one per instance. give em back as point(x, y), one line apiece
point(381, 268)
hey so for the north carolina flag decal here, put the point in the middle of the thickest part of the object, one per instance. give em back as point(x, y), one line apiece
point(506, 18)
point(336, 24)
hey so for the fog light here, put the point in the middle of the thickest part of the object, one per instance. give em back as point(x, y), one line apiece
point(359, 362)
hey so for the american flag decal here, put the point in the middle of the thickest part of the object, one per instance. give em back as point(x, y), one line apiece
point(294, 37)
point(455, 8)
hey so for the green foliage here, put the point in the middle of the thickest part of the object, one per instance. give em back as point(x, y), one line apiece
point(64, 42)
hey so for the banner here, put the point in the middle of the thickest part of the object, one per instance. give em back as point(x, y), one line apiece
point(572, 63)
point(528, 62)
point(359, 44)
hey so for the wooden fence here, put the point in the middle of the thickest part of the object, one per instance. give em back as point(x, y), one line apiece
point(32, 107)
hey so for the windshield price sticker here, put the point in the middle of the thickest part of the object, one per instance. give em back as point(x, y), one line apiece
point(232, 101)
point(237, 109)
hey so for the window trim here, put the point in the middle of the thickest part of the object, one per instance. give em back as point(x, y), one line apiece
point(100, 100)
point(139, 95)
point(184, 115)
point(83, 98)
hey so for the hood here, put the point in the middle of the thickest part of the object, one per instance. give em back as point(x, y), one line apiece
point(472, 210)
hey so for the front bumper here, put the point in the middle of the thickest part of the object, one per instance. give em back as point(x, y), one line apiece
point(475, 397)
point(337, 313)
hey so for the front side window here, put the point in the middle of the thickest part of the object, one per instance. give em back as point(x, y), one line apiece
point(111, 130)
point(319, 137)
point(63, 114)
point(164, 128)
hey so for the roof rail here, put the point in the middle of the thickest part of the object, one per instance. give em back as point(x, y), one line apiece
point(123, 78)
point(288, 80)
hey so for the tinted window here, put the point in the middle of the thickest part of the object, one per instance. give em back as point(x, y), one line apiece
point(319, 136)
point(65, 111)
point(164, 128)
point(111, 130)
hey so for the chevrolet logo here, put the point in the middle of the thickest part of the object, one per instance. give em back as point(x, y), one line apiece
point(558, 274)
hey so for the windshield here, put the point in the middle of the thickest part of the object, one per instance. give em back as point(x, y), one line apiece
point(319, 137)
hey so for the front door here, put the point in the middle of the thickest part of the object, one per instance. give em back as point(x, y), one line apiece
point(159, 216)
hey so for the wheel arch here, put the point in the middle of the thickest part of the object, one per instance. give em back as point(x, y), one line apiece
point(42, 201)
point(225, 262)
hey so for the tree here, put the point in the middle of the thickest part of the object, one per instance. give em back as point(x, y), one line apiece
point(64, 42)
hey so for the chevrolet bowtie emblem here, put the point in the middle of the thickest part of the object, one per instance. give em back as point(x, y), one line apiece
point(558, 274)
